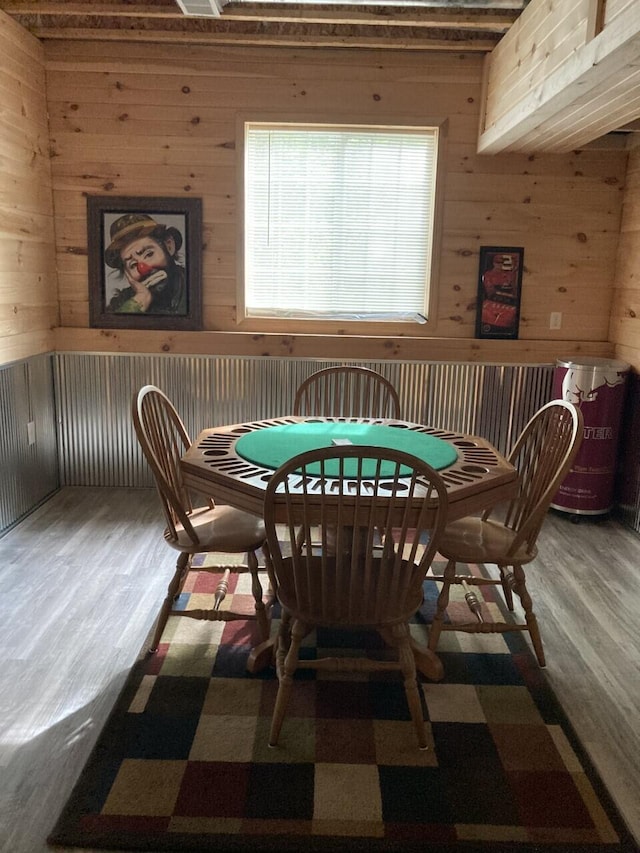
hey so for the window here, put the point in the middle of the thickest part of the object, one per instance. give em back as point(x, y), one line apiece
point(338, 221)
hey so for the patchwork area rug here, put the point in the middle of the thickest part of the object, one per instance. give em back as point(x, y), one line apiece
point(183, 763)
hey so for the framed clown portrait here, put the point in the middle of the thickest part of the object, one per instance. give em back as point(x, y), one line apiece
point(144, 262)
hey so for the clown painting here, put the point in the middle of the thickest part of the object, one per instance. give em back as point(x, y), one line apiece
point(146, 269)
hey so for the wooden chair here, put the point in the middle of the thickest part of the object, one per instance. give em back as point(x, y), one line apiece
point(194, 529)
point(543, 455)
point(347, 391)
point(348, 582)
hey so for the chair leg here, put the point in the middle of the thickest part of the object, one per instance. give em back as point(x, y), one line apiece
point(256, 589)
point(401, 637)
point(272, 595)
point(175, 588)
point(520, 588)
point(506, 581)
point(435, 628)
point(286, 666)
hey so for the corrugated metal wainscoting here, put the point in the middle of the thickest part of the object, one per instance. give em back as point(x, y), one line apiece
point(94, 392)
point(28, 457)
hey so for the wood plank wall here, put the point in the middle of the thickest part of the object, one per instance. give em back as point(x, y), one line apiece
point(533, 51)
point(150, 121)
point(162, 119)
point(28, 287)
point(625, 314)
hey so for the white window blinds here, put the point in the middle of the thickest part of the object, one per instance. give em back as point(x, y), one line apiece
point(338, 221)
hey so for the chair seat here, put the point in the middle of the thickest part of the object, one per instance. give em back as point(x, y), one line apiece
point(221, 528)
point(472, 540)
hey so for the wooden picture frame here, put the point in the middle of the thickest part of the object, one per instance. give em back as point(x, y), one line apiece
point(144, 262)
point(499, 291)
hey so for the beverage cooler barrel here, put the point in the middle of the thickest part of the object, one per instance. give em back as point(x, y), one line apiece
point(597, 386)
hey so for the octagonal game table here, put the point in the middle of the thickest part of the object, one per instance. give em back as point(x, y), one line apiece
point(233, 464)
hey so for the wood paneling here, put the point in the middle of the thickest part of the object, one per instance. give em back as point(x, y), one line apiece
point(28, 288)
point(157, 121)
point(541, 40)
point(565, 74)
point(316, 346)
point(624, 330)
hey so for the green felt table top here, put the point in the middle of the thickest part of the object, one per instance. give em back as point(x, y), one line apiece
point(272, 446)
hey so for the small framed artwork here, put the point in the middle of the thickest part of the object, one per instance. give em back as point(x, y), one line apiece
point(144, 262)
point(499, 289)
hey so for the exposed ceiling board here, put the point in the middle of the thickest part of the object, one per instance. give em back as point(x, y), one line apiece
point(466, 25)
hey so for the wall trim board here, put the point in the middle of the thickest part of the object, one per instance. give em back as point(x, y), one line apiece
point(278, 345)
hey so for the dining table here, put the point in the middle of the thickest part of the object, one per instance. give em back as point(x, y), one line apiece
point(233, 464)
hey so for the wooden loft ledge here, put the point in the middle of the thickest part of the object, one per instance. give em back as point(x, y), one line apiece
point(565, 74)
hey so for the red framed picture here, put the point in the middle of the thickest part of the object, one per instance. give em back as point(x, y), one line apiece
point(499, 289)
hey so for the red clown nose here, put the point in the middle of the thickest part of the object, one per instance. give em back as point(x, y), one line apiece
point(144, 269)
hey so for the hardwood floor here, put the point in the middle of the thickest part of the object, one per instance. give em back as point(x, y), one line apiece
point(83, 578)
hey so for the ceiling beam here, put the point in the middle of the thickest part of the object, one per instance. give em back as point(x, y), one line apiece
point(393, 16)
point(161, 8)
point(379, 38)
